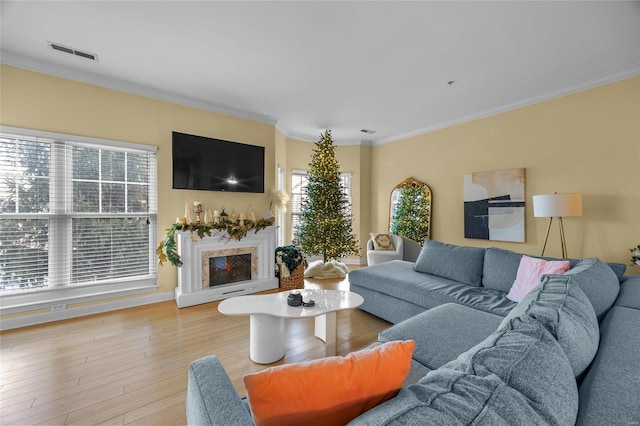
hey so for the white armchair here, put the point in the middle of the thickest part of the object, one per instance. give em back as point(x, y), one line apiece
point(375, 257)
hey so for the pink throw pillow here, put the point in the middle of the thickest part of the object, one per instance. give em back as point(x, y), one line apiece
point(529, 273)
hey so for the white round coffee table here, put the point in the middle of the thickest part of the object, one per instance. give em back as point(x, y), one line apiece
point(268, 311)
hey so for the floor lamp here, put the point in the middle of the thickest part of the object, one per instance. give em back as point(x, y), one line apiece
point(557, 205)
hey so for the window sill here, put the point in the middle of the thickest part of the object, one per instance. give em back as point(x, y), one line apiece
point(45, 298)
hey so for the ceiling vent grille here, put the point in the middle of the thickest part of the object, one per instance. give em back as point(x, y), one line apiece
point(72, 51)
point(368, 131)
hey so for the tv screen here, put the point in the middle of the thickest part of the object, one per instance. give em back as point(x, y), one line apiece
point(216, 165)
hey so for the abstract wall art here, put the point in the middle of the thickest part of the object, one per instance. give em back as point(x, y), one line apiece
point(494, 205)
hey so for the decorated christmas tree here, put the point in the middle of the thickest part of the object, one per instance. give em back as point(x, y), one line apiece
point(326, 222)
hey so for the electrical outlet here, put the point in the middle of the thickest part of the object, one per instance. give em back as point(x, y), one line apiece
point(58, 307)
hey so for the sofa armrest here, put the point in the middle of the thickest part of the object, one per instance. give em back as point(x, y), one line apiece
point(610, 391)
point(211, 397)
point(411, 249)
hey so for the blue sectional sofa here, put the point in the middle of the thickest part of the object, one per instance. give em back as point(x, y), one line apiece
point(569, 353)
point(458, 300)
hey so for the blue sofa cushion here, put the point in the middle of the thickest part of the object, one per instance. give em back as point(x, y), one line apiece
point(457, 263)
point(519, 375)
point(617, 268)
point(501, 267)
point(629, 292)
point(563, 308)
point(610, 392)
point(599, 283)
point(444, 332)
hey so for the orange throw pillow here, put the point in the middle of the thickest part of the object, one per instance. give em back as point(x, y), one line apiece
point(332, 390)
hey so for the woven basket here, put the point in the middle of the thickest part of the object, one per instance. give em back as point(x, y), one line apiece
point(295, 280)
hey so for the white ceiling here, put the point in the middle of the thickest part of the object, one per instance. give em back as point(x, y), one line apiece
point(307, 66)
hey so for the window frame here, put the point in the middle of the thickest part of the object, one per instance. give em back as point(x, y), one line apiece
point(295, 213)
point(20, 300)
point(345, 177)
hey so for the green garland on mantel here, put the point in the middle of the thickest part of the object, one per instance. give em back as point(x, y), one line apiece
point(167, 250)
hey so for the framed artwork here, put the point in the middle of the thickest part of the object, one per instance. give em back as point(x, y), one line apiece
point(494, 205)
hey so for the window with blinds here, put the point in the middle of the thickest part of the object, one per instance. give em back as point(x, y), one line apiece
point(299, 181)
point(74, 211)
point(280, 214)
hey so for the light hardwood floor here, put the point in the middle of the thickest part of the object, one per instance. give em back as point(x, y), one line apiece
point(130, 366)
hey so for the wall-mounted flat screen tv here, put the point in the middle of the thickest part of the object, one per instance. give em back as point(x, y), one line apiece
point(216, 165)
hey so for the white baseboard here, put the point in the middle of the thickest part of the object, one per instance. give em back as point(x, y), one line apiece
point(35, 319)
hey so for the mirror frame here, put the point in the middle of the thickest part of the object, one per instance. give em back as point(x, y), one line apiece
point(420, 229)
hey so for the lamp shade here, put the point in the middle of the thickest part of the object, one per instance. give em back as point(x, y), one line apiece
point(557, 205)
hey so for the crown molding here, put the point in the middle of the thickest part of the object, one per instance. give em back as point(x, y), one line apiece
point(360, 142)
point(32, 64)
point(337, 142)
point(602, 80)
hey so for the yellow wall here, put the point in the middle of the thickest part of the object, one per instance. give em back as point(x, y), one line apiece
point(587, 142)
point(42, 102)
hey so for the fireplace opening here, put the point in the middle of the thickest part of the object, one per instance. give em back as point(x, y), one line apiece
point(229, 269)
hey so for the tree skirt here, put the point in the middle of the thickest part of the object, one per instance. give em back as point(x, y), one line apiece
point(332, 269)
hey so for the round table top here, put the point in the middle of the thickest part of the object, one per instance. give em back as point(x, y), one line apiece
point(275, 304)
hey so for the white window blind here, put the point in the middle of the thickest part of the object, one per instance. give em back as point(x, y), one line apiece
point(75, 212)
point(280, 214)
point(299, 181)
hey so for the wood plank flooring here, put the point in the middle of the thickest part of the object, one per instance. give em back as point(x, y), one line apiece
point(129, 367)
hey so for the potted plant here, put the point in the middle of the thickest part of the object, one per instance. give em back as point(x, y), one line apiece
point(290, 264)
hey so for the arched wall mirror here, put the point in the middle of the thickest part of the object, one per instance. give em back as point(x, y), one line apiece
point(410, 210)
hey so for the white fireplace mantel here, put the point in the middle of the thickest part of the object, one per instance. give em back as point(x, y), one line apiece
point(190, 289)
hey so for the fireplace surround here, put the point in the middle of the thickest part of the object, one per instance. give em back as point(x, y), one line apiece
point(254, 253)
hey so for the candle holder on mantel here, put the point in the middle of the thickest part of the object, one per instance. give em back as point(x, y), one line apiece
point(197, 209)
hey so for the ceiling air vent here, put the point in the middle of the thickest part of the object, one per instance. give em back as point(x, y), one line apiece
point(72, 51)
point(368, 131)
